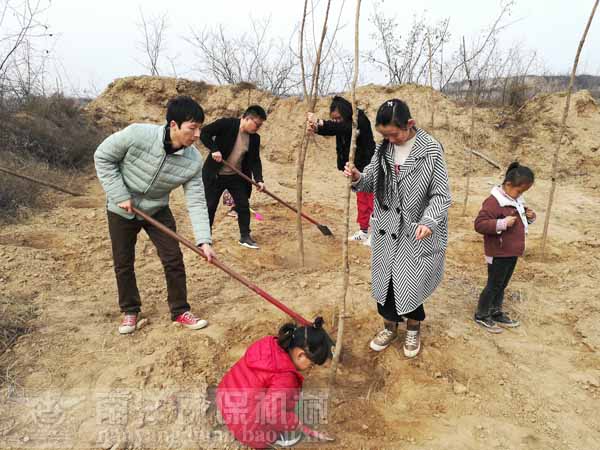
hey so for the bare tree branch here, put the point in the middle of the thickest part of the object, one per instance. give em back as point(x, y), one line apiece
point(472, 133)
point(563, 127)
point(311, 101)
point(492, 32)
point(23, 64)
point(252, 58)
point(405, 58)
point(345, 259)
point(301, 46)
point(153, 43)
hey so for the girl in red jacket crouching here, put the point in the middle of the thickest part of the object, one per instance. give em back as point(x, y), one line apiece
point(258, 395)
point(503, 221)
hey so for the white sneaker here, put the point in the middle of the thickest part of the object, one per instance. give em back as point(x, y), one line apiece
point(383, 339)
point(289, 439)
point(359, 236)
point(190, 321)
point(368, 241)
point(128, 324)
point(412, 343)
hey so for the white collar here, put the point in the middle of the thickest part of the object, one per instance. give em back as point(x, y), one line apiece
point(506, 200)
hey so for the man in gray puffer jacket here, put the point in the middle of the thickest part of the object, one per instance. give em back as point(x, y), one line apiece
point(140, 166)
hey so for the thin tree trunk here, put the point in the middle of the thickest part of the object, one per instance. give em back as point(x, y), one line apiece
point(299, 160)
point(345, 262)
point(302, 69)
point(311, 101)
point(472, 131)
point(431, 82)
point(563, 127)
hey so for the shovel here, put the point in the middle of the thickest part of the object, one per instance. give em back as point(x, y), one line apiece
point(294, 315)
point(322, 228)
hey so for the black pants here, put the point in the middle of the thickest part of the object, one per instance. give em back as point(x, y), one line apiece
point(238, 188)
point(388, 310)
point(123, 234)
point(492, 296)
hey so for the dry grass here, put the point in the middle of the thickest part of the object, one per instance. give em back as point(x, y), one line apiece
point(44, 137)
point(16, 314)
point(52, 130)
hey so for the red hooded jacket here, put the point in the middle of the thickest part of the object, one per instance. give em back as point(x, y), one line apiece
point(257, 396)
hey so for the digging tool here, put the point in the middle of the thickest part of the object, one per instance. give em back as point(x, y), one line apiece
point(35, 180)
point(322, 228)
point(258, 216)
point(294, 315)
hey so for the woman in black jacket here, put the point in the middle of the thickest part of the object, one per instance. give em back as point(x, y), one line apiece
point(340, 126)
point(236, 141)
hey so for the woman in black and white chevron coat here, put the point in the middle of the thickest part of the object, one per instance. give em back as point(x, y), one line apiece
point(410, 222)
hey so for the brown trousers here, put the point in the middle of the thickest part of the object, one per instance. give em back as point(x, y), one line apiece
point(123, 234)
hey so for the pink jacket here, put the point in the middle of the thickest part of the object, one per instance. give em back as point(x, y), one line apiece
point(257, 396)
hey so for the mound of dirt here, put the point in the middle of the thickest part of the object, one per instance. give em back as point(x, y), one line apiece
point(537, 128)
point(143, 99)
point(528, 136)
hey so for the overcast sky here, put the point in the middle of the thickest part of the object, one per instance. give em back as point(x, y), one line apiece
point(97, 41)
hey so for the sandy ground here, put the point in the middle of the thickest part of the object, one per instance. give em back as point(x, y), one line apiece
point(78, 384)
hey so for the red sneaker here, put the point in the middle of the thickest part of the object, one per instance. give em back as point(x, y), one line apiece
point(188, 320)
point(128, 324)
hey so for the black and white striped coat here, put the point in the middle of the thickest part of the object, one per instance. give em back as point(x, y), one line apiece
point(419, 194)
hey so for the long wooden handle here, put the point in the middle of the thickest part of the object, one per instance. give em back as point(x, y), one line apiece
point(223, 267)
point(35, 180)
point(269, 193)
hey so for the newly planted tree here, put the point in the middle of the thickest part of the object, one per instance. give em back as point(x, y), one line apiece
point(345, 262)
point(311, 101)
point(563, 127)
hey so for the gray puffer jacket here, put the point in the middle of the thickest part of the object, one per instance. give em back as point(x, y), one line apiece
point(132, 164)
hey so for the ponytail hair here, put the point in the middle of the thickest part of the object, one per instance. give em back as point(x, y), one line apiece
point(286, 335)
point(518, 175)
point(313, 339)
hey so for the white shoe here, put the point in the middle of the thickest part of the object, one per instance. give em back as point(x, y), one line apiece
point(289, 439)
point(128, 324)
point(412, 343)
point(190, 321)
point(383, 339)
point(359, 236)
point(368, 241)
